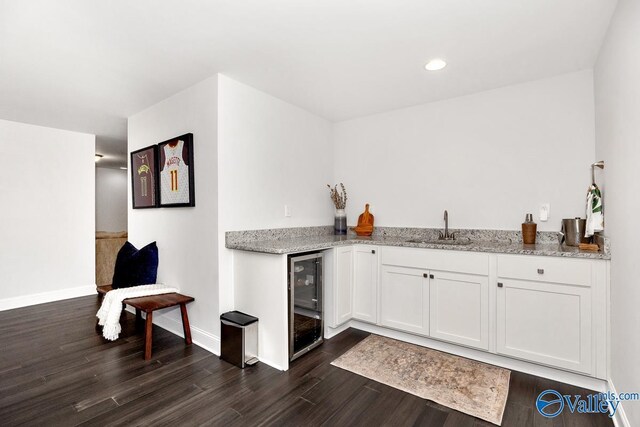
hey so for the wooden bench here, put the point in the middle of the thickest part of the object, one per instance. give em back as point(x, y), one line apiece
point(151, 303)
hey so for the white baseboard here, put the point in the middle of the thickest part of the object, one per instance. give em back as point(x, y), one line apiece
point(273, 364)
point(201, 338)
point(332, 332)
point(490, 358)
point(620, 418)
point(44, 297)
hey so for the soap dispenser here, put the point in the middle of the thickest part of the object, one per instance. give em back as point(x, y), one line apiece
point(529, 230)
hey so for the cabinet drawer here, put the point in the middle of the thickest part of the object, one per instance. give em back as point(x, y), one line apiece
point(545, 269)
point(434, 259)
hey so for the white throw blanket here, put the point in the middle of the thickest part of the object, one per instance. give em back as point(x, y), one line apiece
point(111, 308)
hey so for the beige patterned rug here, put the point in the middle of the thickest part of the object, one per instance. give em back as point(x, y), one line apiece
point(465, 385)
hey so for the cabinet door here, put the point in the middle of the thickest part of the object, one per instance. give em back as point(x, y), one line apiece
point(459, 308)
point(404, 299)
point(343, 290)
point(545, 323)
point(365, 283)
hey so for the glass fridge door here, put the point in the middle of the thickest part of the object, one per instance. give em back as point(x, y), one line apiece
point(305, 313)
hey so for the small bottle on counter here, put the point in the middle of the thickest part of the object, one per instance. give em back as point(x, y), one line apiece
point(529, 229)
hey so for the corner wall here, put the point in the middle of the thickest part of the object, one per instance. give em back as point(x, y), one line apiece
point(187, 237)
point(47, 245)
point(617, 94)
point(271, 154)
point(489, 158)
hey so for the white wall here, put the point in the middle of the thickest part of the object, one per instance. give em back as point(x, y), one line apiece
point(47, 241)
point(111, 199)
point(271, 153)
point(489, 158)
point(617, 90)
point(187, 237)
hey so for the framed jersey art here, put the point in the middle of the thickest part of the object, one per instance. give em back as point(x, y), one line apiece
point(144, 182)
point(175, 169)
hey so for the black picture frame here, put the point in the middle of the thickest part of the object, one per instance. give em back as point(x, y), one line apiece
point(176, 172)
point(144, 178)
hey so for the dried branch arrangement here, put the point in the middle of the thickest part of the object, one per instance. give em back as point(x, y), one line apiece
point(339, 197)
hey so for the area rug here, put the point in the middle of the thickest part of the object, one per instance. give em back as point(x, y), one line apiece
point(465, 385)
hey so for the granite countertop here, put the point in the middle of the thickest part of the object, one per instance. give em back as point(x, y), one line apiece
point(286, 241)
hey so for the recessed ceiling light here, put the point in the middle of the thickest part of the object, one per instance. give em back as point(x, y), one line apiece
point(98, 157)
point(435, 64)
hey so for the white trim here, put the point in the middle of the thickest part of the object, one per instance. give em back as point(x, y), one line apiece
point(44, 297)
point(201, 338)
point(620, 418)
point(330, 332)
point(273, 364)
point(490, 358)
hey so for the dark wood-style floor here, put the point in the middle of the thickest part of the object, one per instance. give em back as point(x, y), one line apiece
point(56, 370)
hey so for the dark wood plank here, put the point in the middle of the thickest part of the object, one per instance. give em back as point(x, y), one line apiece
point(359, 405)
point(55, 370)
point(522, 388)
point(458, 419)
point(408, 411)
point(518, 415)
point(288, 417)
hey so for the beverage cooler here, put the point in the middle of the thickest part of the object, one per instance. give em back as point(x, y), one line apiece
point(305, 303)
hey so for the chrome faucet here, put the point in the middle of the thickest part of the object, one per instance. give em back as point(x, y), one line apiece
point(446, 235)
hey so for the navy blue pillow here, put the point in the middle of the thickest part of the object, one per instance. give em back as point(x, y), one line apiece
point(136, 266)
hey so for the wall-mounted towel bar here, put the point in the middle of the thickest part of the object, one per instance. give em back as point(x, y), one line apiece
point(600, 165)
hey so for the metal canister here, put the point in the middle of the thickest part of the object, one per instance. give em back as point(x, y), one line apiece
point(573, 230)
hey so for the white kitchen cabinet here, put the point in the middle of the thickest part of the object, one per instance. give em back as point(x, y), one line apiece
point(404, 299)
point(545, 311)
point(365, 283)
point(459, 308)
point(343, 285)
point(452, 305)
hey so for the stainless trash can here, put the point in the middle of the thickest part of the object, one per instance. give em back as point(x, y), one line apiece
point(239, 338)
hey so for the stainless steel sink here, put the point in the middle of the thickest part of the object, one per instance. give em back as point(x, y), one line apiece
point(450, 242)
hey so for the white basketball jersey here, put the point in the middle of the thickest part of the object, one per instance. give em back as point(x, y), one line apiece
point(174, 178)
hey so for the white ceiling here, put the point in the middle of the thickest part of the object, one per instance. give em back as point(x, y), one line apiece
point(86, 65)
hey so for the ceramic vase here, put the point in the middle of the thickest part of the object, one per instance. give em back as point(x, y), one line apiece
point(340, 222)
